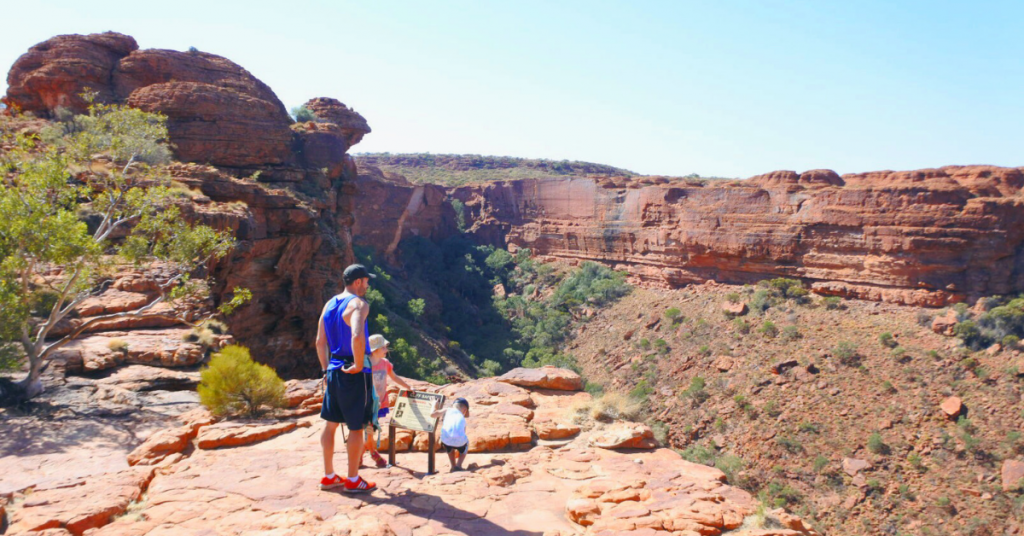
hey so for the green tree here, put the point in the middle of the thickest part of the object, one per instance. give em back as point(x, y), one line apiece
point(60, 215)
point(235, 384)
point(417, 306)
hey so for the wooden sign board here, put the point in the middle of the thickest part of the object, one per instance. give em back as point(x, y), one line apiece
point(412, 411)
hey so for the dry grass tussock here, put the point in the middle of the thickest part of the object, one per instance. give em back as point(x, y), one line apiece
point(605, 408)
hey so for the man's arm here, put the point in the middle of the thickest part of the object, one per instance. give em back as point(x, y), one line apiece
point(358, 321)
point(438, 413)
point(322, 351)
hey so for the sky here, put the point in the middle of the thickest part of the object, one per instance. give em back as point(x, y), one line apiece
point(718, 88)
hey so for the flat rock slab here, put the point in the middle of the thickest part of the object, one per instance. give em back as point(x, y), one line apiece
point(1013, 475)
point(544, 378)
point(230, 434)
point(624, 435)
point(82, 504)
point(148, 378)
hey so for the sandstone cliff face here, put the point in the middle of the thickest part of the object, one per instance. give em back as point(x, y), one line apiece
point(291, 215)
point(925, 237)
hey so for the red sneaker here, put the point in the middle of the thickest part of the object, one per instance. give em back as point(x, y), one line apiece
point(331, 483)
point(359, 486)
point(381, 464)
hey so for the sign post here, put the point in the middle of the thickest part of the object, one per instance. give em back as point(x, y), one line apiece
point(412, 412)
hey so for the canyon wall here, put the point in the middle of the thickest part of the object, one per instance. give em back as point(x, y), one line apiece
point(927, 237)
point(284, 189)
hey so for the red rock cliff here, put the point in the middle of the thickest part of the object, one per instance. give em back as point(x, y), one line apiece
point(924, 237)
point(285, 189)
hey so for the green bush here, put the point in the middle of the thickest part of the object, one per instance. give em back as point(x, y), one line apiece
point(645, 343)
point(833, 303)
point(761, 301)
point(731, 465)
point(876, 444)
point(887, 340)
point(790, 333)
point(698, 453)
point(779, 495)
point(704, 350)
point(741, 325)
point(641, 392)
point(733, 297)
point(661, 345)
point(846, 352)
point(234, 384)
point(768, 329)
point(673, 313)
point(660, 430)
point(695, 392)
point(303, 114)
point(899, 352)
point(416, 307)
point(489, 368)
point(820, 462)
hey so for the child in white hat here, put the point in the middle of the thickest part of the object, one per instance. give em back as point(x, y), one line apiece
point(382, 370)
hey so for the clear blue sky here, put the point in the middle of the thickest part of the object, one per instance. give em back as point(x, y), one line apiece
point(670, 87)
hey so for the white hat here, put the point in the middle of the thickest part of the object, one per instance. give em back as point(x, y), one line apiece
point(377, 341)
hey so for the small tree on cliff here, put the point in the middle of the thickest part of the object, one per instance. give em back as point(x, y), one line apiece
point(73, 208)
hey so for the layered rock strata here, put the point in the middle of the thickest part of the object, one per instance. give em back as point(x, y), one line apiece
point(927, 237)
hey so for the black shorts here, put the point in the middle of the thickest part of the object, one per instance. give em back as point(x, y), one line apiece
point(461, 450)
point(348, 398)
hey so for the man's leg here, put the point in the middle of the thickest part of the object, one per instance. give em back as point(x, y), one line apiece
point(327, 442)
point(355, 452)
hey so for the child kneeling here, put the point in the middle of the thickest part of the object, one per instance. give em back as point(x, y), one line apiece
point(453, 432)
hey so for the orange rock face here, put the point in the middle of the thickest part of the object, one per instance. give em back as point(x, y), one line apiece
point(926, 237)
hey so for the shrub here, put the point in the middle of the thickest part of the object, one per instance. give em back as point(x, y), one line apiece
point(698, 453)
point(833, 303)
point(695, 392)
point(899, 353)
point(924, 318)
point(790, 333)
point(887, 340)
point(595, 389)
point(645, 344)
point(761, 301)
point(768, 329)
point(416, 307)
point(673, 313)
point(729, 464)
point(661, 345)
point(876, 445)
point(641, 392)
point(809, 427)
point(199, 335)
point(780, 495)
point(1010, 342)
point(933, 354)
point(235, 384)
point(704, 350)
point(215, 326)
point(606, 408)
point(733, 297)
point(303, 114)
point(771, 408)
point(490, 367)
point(820, 462)
point(888, 387)
point(915, 461)
point(741, 326)
point(790, 444)
point(969, 332)
point(118, 345)
point(660, 430)
point(846, 352)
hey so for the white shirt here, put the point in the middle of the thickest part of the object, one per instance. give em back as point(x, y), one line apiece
point(453, 428)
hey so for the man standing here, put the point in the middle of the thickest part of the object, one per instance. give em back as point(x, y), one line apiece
point(341, 345)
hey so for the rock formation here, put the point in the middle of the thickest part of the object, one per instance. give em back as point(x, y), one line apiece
point(927, 237)
point(243, 477)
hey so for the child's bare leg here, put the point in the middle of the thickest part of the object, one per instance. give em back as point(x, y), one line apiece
point(451, 459)
point(462, 458)
point(371, 445)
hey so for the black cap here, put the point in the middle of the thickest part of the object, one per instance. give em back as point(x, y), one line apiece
point(356, 272)
point(462, 401)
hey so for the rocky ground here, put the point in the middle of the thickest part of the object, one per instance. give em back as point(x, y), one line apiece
point(795, 424)
point(533, 469)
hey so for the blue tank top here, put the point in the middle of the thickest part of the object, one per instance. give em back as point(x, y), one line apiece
point(339, 334)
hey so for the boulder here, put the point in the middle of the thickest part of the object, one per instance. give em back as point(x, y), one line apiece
point(160, 445)
point(544, 377)
point(1013, 475)
point(944, 325)
point(734, 308)
point(624, 435)
point(853, 466)
point(952, 407)
point(56, 72)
